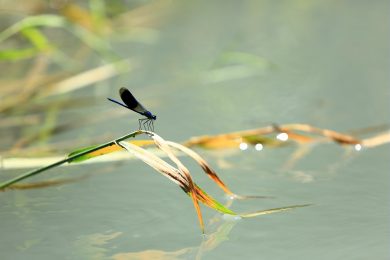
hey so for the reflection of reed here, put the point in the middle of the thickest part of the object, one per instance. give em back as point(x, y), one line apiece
point(219, 229)
point(43, 184)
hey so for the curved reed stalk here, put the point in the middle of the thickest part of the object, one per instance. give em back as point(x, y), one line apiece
point(66, 160)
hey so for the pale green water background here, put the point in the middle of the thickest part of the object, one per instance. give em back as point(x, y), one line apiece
point(324, 63)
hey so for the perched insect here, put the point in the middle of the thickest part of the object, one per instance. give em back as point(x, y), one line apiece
point(132, 104)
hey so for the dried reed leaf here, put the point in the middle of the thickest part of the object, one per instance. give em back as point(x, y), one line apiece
point(380, 139)
point(106, 150)
point(173, 174)
point(209, 171)
point(87, 78)
point(179, 175)
point(203, 164)
point(160, 142)
point(260, 135)
point(330, 134)
point(157, 163)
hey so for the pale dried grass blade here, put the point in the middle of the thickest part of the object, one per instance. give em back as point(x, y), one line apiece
point(210, 171)
point(203, 164)
point(376, 140)
point(156, 163)
point(89, 77)
point(161, 143)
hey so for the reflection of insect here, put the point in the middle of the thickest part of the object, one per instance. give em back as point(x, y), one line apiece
point(132, 104)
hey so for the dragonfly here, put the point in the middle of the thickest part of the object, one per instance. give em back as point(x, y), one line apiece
point(132, 103)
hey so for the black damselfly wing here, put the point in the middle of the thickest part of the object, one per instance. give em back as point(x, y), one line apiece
point(132, 103)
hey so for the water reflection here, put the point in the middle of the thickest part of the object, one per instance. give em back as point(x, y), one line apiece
point(243, 146)
point(220, 226)
point(282, 137)
point(259, 147)
point(358, 147)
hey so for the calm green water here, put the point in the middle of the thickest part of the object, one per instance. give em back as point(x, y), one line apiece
point(224, 66)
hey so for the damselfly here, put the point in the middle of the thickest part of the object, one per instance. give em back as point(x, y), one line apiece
point(132, 103)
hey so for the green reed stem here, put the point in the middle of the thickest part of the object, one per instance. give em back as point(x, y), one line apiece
point(69, 159)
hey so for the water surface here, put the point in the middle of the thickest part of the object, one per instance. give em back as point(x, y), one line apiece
point(219, 67)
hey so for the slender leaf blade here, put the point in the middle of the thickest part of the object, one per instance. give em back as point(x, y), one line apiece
point(96, 153)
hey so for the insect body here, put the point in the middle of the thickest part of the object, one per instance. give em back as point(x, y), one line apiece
point(132, 103)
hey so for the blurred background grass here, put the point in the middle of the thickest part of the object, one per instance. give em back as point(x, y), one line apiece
point(51, 50)
point(205, 67)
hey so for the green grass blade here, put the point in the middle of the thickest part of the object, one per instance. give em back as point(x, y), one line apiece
point(211, 202)
point(84, 157)
point(18, 54)
point(90, 39)
point(37, 38)
point(47, 20)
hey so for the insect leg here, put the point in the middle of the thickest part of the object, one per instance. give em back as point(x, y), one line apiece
point(145, 124)
point(151, 125)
